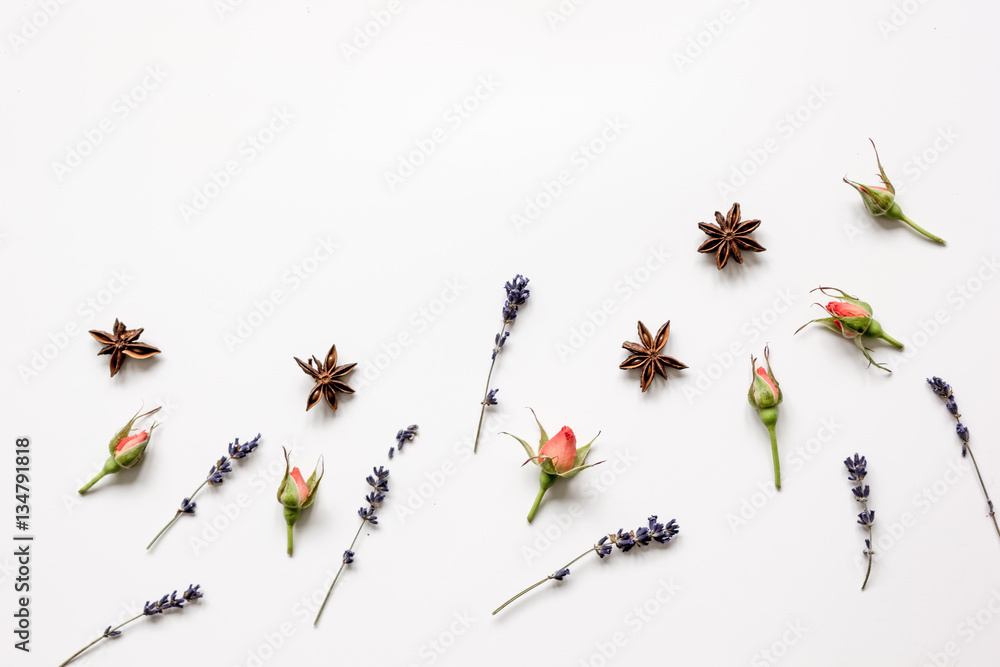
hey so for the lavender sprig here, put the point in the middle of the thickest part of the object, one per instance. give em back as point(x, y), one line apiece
point(625, 541)
point(216, 475)
point(379, 482)
point(943, 389)
point(403, 436)
point(517, 295)
point(153, 608)
point(857, 470)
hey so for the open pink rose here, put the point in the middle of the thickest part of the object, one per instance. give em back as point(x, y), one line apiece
point(561, 448)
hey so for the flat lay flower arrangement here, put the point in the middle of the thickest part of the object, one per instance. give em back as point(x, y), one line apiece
point(558, 458)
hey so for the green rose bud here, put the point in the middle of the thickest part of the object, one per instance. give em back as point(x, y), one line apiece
point(295, 494)
point(127, 449)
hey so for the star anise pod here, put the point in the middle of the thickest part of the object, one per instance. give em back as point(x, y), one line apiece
point(122, 342)
point(328, 376)
point(729, 237)
point(647, 355)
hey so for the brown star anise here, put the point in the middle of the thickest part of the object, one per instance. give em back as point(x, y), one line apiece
point(729, 237)
point(647, 355)
point(122, 342)
point(328, 377)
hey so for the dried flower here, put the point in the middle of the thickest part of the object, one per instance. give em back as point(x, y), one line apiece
point(126, 449)
point(379, 483)
point(765, 395)
point(517, 295)
point(943, 389)
point(151, 608)
point(216, 476)
point(403, 436)
point(295, 493)
point(557, 457)
point(121, 343)
point(731, 235)
point(857, 469)
point(329, 378)
point(881, 201)
point(853, 320)
point(646, 355)
point(654, 531)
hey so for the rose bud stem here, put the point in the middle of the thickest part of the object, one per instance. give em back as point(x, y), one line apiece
point(770, 417)
point(545, 482)
point(110, 468)
point(291, 516)
point(875, 330)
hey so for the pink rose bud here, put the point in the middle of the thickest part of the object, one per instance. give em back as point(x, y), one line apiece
point(765, 395)
point(882, 200)
point(852, 319)
point(558, 457)
point(560, 449)
point(295, 493)
point(126, 449)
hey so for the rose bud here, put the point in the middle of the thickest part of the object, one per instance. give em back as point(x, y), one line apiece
point(881, 201)
point(853, 319)
point(557, 457)
point(127, 449)
point(765, 395)
point(296, 493)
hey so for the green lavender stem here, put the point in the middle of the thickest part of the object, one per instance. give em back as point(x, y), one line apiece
point(176, 515)
point(482, 411)
point(104, 636)
point(989, 502)
point(539, 583)
point(337, 576)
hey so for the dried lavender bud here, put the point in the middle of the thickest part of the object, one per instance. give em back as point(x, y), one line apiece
point(405, 435)
point(558, 576)
point(603, 548)
point(491, 397)
point(963, 433)
point(857, 469)
point(368, 514)
point(187, 506)
point(238, 451)
point(939, 387)
point(222, 466)
point(348, 557)
point(952, 406)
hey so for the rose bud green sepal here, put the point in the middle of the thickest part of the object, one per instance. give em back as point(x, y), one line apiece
point(558, 457)
point(126, 449)
point(852, 318)
point(881, 200)
point(295, 494)
point(765, 395)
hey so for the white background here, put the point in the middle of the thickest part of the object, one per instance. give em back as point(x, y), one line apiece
point(918, 78)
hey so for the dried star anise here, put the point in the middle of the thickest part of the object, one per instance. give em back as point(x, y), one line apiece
point(729, 237)
point(647, 355)
point(122, 342)
point(328, 376)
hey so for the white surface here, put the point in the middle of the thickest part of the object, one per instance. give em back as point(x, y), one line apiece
point(698, 458)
